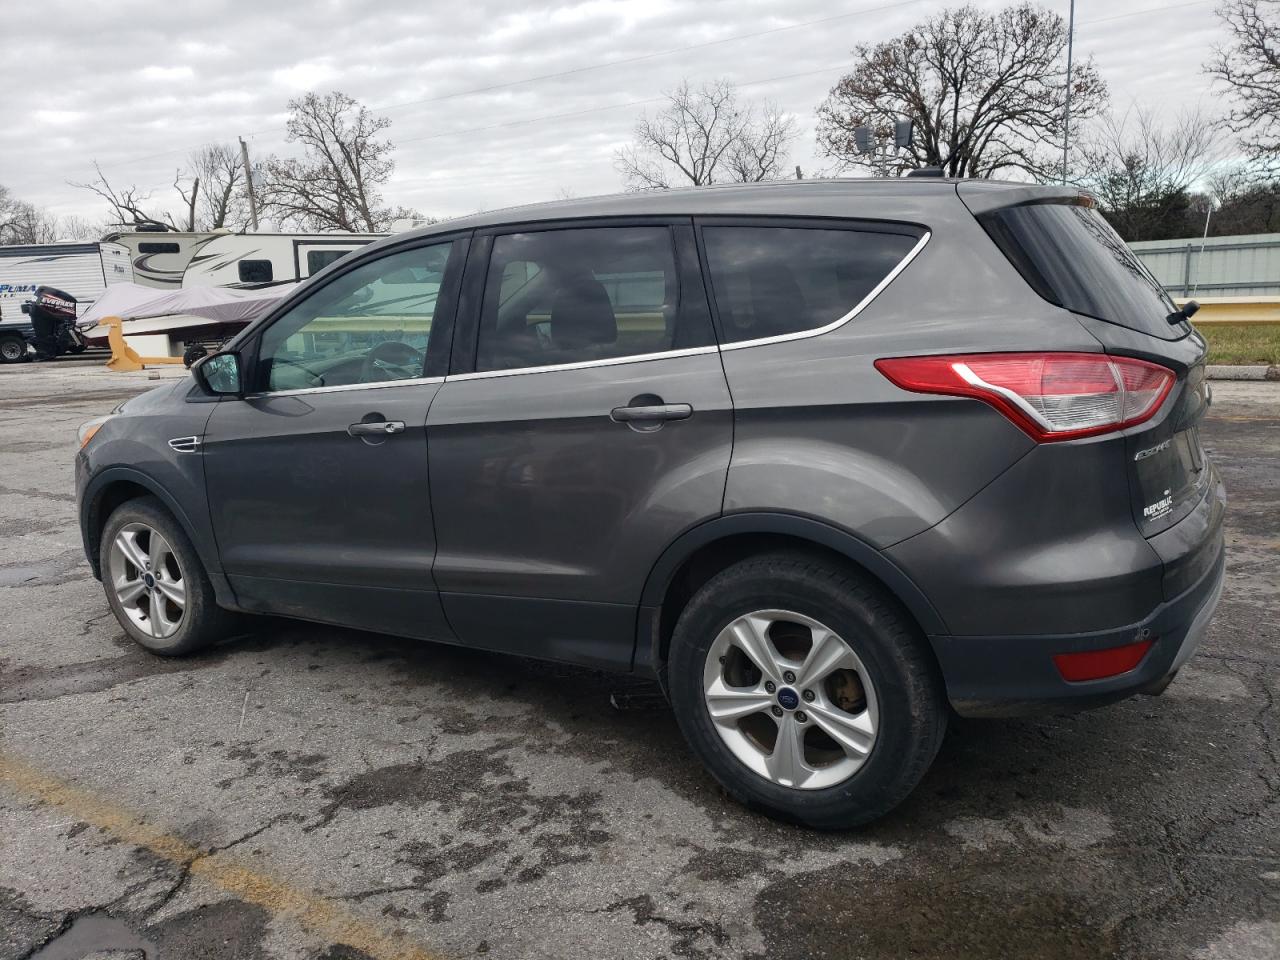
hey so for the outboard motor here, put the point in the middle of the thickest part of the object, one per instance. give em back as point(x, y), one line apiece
point(53, 317)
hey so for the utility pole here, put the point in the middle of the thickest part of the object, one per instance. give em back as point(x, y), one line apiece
point(1066, 110)
point(248, 179)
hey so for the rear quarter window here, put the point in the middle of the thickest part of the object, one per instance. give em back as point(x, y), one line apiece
point(773, 281)
point(1072, 257)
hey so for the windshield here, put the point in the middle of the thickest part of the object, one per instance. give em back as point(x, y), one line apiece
point(1073, 258)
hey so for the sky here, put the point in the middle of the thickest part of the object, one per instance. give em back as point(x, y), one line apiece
point(492, 104)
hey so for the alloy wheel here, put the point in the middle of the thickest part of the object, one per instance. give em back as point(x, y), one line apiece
point(790, 699)
point(148, 580)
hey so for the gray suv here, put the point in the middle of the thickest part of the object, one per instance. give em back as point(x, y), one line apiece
point(829, 460)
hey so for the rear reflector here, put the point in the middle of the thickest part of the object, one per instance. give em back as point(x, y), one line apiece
point(1052, 396)
point(1099, 664)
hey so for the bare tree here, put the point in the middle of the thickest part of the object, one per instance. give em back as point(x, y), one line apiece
point(189, 193)
point(760, 152)
point(73, 227)
point(705, 135)
point(986, 92)
point(336, 183)
point(212, 189)
point(125, 202)
point(1250, 66)
point(23, 222)
point(1143, 172)
point(223, 201)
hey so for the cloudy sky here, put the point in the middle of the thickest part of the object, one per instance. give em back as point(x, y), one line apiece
point(492, 103)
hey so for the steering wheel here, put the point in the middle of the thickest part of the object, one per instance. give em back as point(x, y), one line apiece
point(390, 353)
point(316, 379)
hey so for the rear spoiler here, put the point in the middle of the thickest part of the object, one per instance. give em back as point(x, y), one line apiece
point(983, 196)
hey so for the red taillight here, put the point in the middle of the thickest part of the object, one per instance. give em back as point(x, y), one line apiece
point(1052, 396)
point(1100, 664)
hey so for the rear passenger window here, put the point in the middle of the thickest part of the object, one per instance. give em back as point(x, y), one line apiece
point(772, 281)
point(573, 296)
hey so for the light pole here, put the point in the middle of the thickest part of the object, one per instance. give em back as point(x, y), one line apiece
point(1066, 110)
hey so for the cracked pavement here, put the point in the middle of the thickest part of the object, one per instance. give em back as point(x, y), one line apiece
point(307, 793)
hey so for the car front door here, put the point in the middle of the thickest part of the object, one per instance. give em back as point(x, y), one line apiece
point(317, 478)
point(585, 424)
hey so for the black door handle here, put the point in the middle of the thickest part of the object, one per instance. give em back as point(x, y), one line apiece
point(656, 413)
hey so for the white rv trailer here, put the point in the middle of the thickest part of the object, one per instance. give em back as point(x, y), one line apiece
point(81, 269)
point(235, 258)
point(159, 257)
point(171, 259)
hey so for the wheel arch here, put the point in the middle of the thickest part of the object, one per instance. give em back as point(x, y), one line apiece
point(114, 487)
point(704, 550)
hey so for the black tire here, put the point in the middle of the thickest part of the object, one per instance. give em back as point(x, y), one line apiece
point(13, 349)
point(77, 348)
point(912, 708)
point(203, 621)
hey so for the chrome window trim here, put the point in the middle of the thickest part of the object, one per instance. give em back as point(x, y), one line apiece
point(836, 324)
point(341, 387)
point(585, 364)
point(632, 358)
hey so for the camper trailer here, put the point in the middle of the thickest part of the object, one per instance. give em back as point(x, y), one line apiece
point(159, 257)
point(236, 258)
point(171, 259)
point(83, 270)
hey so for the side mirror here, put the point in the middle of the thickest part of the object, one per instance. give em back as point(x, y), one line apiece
point(219, 374)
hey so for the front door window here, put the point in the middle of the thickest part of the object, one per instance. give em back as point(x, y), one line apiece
point(370, 325)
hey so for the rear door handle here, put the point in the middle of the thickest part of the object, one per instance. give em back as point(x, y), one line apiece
point(652, 414)
point(379, 428)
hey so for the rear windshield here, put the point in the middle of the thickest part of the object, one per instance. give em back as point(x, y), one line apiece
point(1073, 258)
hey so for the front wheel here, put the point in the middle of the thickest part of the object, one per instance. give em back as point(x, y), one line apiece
point(12, 349)
point(806, 691)
point(155, 582)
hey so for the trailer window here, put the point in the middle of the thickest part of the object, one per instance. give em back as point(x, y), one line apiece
point(255, 271)
point(159, 248)
point(317, 260)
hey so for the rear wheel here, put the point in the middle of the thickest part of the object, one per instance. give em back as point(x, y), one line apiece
point(805, 690)
point(12, 349)
point(155, 582)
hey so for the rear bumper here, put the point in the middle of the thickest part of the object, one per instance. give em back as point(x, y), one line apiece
point(1012, 676)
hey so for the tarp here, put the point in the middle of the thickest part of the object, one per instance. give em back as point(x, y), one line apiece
point(132, 301)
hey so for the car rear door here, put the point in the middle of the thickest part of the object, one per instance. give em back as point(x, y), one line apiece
point(585, 424)
point(317, 479)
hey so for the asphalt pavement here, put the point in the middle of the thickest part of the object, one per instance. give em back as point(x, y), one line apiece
point(305, 793)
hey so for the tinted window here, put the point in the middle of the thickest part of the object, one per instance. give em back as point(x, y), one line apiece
point(568, 296)
point(770, 281)
point(317, 260)
point(1070, 255)
point(370, 325)
point(158, 248)
point(255, 271)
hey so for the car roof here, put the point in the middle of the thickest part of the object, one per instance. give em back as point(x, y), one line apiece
point(846, 197)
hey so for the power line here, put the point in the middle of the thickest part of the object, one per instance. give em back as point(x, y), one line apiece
point(636, 59)
point(574, 71)
point(1138, 13)
point(610, 106)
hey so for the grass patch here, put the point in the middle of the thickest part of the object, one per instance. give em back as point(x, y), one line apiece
point(1245, 343)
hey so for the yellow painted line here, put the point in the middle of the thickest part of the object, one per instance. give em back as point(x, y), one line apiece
point(313, 912)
